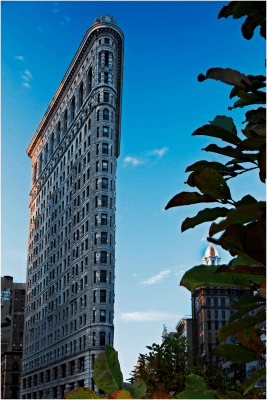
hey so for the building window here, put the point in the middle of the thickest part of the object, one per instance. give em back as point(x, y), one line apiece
point(103, 276)
point(105, 77)
point(223, 314)
point(104, 238)
point(209, 325)
point(103, 296)
point(216, 314)
point(102, 339)
point(105, 131)
point(97, 131)
point(94, 300)
point(82, 364)
point(222, 302)
point(103, 257)
point(105, 148)
point(216, 302)
point(209, 314)
point(106, 41)
point(104, 183)
point(94, 339)
point(106, 97)
point(97, 115)
point(105, 166)
point(72, 367)
point(94, 315)
point(106, 114)
point(104, 201)
point(104, 219)
point(208, 302)
point(102, 316)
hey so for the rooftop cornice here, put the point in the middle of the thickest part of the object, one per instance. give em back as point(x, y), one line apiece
point(67, 78)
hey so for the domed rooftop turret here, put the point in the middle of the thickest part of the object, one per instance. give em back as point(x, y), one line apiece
point(211, 256)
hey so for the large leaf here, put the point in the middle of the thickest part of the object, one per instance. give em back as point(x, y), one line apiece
point(256, 269)
point(226, 123)
point(244, 301)
point(187, 198)
point(251, 24)
point(250, 338)
point(228, 10)
point(225, 75)
point(195, 381)
point(196, 394)
point(254, 378)
point(107, 373)
point(242, 214)
point(138, 388)
point(202, 275)
point(243, 311)
point(253, 98)
point(262, 163)
point(120, 394)
point(246, 201)
point(235, 353)
point(199, 165)
point(208, 214)
point(229, 329)
point(227, 151)
point(256, 116)
point(218, 132)
point(252, 144)
point(211, 183)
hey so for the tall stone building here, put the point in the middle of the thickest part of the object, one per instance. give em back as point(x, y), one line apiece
point(12, 328)
point(210, 311)
point(71, 242)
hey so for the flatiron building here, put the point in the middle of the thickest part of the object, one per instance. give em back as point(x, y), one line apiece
point(71, 244)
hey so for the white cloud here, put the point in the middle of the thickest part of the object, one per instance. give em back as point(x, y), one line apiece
point(134, 161)
point(157, 278)
point(146, 316)
point(20, 58)
point(28, 73)
point(134, 274)
point(160, 152)
point(26, 84)
point(204, 238)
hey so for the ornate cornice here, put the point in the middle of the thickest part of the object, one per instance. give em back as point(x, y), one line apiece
point(72, 71)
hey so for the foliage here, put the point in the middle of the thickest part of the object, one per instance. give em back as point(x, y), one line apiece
point(243, 227)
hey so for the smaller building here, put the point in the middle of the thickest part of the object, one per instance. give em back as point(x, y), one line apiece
point(12, 328)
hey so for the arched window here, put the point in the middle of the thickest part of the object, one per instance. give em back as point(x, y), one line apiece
point(81, 94)
point(97, 115)
point(106, 114)
point(222, 302)
point(66, 120)
point(73, 108)
point(216, 302)
point(106, 58)
point(90, 80)
point(209, 302)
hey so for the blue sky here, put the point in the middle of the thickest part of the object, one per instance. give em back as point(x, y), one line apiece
point(167, 45)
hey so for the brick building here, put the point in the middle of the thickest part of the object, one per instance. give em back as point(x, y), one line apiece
point(12, 327)
point(71, 243)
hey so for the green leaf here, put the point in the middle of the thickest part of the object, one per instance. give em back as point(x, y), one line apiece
point(240, 103)
point(211, 183)
point(235, 353)
point(240, 215)
point(243, 8)
point(226, 123)
point(246, 201)
point(240, 313)
point(251, 24)
point(234, 92)
point(256, 116)
point(138, 388)
point(195, 381)
point(202, 275)
point(199, 165)
point(231, 328)
point(107, 373)
point(218, 132)
point(226, 151)
point(225, 75)
point(208, 214)
point(187, 198)
point(228, 10)
point(196, 394)
point(252, 144)
point(244, 301)
point(254, 378)
point(232, 394)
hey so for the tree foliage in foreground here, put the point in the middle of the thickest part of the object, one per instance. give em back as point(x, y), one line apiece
point(243, 227)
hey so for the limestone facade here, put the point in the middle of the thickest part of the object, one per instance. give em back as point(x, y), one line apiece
point(71, 243)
